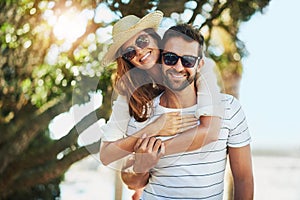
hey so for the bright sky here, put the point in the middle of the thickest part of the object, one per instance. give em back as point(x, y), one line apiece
point(269, 90)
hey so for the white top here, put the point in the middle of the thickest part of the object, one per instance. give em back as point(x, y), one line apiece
point(197, 174)
point(208, 103)
point(116, 126)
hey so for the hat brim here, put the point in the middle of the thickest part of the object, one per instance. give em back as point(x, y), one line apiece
point(151, 20)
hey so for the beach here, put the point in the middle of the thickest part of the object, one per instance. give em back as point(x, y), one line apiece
point(276, 177)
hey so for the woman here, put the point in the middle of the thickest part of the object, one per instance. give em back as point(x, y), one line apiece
point(136, 50)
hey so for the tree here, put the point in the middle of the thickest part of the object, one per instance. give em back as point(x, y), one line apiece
point(43, 74)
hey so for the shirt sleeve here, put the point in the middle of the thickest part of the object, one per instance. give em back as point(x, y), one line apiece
point(116, 126)
point(208, 91)
point(239, 134)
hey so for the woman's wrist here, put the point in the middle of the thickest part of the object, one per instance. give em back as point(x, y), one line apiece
point(151, 130)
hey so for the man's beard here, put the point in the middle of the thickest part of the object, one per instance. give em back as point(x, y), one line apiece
point(177, 85)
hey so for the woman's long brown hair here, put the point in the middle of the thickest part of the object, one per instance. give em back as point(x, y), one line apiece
point(137, 85)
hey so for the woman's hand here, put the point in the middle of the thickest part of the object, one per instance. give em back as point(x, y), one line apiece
point(172, 123)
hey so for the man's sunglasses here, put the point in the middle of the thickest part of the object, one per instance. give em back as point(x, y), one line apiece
point(142, 42)
point(187, 61)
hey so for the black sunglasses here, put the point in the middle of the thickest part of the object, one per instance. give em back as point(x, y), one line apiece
point(187, 61)
point(142, 42)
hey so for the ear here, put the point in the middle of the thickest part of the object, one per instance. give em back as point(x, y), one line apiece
point(200, 64)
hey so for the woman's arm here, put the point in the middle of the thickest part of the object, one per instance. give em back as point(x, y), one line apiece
point(209, 110)
point(189, 140)
point(116, 126)
point(195, 138)
point(117, 146)
point(167, 124)
point(208, 91)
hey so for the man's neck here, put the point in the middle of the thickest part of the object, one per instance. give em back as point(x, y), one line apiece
point(179, 99)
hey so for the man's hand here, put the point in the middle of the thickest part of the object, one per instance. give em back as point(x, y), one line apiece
point(148, 150)
point(147, 153)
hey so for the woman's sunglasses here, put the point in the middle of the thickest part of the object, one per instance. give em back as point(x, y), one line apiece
point(187, 61)
point(142, 42)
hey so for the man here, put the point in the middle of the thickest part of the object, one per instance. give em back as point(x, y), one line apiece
point(196, 174)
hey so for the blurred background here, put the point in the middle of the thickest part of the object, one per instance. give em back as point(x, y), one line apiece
point(54, 94)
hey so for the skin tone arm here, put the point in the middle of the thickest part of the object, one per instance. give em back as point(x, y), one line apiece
point(166, 125)
point(190, 140)
point(241, 167)
point(207, 132)
point(148, 152)
point(195, 138)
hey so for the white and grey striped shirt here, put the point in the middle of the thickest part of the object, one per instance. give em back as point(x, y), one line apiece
point(196, 174)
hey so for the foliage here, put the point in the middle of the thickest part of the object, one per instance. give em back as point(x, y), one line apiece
point(43, 74)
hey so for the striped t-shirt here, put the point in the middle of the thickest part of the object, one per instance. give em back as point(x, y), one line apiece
point(196, 174)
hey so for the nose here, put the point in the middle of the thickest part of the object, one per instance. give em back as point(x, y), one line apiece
point(178, 66)
point(138, 51)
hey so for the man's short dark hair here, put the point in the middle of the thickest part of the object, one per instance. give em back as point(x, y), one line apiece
point(187, 32)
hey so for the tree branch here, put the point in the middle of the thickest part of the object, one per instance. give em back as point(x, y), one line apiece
point(197, 10)
point(216, 12)
point(23, 137)
point(46, 173)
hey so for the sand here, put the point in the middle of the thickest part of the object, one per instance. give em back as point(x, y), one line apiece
point(276, 178)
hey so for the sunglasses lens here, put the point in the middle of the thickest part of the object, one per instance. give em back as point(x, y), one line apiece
point(142, 41)
point(129, 53)
point(188, 61)
point(170, 58)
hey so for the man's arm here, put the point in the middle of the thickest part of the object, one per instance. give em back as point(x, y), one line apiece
point(241, 167)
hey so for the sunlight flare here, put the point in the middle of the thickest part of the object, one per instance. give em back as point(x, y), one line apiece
point(70, 25)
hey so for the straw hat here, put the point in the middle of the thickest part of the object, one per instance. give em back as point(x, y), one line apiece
point(127, 27)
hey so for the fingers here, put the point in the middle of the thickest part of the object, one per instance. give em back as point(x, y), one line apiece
point(172, 114)
point(151, 144)
point(179, 117)
point(144, 145)
point(182, 119)
point(157, 145)
point(187, 122)
point(188, 125)
point(148, 145)
point(147, 155)
point(187, 118)
point(139, 142)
